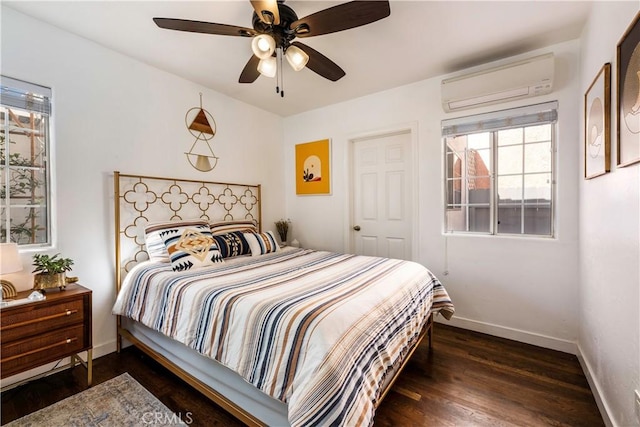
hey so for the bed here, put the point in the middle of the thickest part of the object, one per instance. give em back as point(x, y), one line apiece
point(276, 336)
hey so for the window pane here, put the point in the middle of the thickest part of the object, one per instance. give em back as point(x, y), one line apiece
point(510, 137)
point(509, 189)
point(537, 220)
point(537, 188)
point(24, 145)
point(481, 195)
point(454, 188)
point(454, 165)
point(510, 219)
point(480, 162)
point(510, 160)
point(479, 141)
point(457, 219)
point(538, 133)
point(457, 144)
point(28, 225)
point(478, 219)
point(28, 186)
point(537, 157)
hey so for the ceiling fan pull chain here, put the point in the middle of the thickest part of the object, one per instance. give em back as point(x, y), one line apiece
point(281, 74)
point(278, 71)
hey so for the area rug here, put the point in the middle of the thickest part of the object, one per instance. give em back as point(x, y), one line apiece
point(121, 401)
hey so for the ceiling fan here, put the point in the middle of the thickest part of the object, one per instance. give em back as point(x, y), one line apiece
point(276, 25)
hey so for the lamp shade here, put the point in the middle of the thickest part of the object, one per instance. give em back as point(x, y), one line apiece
point(9, 258)
point(268, 67)
point(296, 57)
point(263, 46)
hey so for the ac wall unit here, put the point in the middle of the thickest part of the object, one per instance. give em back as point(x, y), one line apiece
point(517, 80)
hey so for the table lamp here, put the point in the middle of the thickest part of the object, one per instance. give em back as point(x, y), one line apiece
point(9, 263)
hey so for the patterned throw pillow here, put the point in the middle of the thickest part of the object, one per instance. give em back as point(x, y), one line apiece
point(223, 227)
point(262, 243)
point(155, 244)
point(190, 247)
point(232, 244)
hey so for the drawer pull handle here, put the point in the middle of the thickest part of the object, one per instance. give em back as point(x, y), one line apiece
point(37, 350)
point(66, 312)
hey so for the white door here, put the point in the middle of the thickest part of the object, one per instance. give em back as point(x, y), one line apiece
point(382, 196)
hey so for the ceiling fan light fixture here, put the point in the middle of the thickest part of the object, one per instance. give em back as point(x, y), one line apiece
point(268, 17)
point(267, 67)
point(263, 46)
point(296, 57)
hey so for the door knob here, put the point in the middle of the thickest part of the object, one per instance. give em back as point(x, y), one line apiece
point(356, 227)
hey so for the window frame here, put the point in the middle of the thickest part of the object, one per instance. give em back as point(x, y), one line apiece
point(12, 89)
point(494, 205)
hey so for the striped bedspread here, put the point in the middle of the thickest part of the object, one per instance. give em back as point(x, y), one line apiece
point(317, 330)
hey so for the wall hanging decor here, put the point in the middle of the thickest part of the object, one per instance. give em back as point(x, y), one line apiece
point(201, 124)
point(313, 171)
point(628, 99)
point(597, 128)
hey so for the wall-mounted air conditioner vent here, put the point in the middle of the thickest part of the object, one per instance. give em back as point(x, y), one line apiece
point(522, 79)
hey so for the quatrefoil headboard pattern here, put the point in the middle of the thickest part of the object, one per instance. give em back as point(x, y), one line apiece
point(140, 199)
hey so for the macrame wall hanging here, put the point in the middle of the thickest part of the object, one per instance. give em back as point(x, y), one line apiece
point(202, 126)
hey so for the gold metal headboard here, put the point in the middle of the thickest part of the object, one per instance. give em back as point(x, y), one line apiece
point(140, 199)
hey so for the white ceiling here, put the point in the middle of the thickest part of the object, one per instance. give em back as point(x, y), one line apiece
point(419, 40)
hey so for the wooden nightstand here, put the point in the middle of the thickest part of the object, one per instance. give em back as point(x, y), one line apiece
point(40, 332)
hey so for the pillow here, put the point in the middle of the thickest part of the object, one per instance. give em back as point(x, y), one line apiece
point(262, 243)
point(223, 227)
point(155, 245)
point(232, 244)
point(190, 247)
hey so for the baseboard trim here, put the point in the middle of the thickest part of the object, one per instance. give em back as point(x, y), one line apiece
point(595, 389)
point(512, 334)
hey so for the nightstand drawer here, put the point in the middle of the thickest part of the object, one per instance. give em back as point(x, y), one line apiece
point(45, 348)
point(36, 333)
point(41, 319)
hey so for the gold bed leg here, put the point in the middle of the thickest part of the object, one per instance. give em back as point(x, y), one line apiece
point(118, 336)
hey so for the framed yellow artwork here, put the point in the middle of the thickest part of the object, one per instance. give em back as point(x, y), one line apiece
point(313, 169)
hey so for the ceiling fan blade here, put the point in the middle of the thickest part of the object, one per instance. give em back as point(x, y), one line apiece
point(320, 64)
point(204, 27)
point(267, 11)
point(250, 71)
point(341, 17)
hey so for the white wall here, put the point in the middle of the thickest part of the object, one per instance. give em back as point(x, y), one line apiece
point(111, 111)
point(114, 113)
point(516, 287)
point(609, 316)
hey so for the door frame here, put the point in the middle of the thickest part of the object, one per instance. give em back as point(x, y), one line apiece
point(412, 129)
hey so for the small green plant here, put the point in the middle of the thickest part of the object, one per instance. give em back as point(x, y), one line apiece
point(46, 264)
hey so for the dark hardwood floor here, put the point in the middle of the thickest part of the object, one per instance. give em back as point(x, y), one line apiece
point(468, 379)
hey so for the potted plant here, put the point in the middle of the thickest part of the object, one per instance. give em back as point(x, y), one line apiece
point(282, 226)
point(50, 271)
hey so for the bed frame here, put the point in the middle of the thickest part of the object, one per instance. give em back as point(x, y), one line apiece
point(140, 199)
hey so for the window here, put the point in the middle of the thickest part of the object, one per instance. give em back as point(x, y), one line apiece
point(25, 175)
point(499, 176)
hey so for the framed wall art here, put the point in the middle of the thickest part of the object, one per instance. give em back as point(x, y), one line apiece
point(313, 169)
point(628, 95)
point(597, 126)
